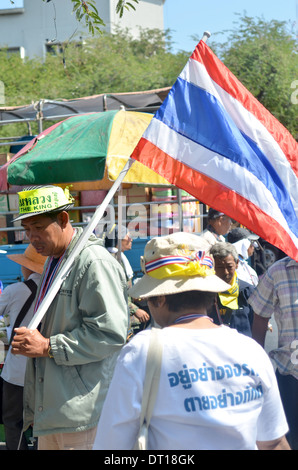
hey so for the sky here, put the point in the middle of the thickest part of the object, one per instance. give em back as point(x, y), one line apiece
point(8, 4)
point(187, 18)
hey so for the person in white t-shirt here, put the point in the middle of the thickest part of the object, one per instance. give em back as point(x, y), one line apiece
point(245, 243)
point(13, 298)
point(218, 225)
point(217, 387)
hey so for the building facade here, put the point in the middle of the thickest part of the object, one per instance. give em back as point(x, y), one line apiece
point(35, 27)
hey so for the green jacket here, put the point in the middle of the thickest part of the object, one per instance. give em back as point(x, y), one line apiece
point(87, 323)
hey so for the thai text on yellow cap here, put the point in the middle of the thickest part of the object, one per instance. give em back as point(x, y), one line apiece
point(43, 199)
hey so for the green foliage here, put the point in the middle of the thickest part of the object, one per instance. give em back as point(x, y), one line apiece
point(123, 4)
point(261, 54)
point(87, 12)
point(105, 63)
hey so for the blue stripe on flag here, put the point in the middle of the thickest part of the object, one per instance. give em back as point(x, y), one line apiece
point(208, 124)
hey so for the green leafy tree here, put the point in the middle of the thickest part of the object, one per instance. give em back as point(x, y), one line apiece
point(261, 54)
point(105, 63)
point(102, 64)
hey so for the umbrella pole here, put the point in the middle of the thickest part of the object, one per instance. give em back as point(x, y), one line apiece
point(63, 273)
point(118, 256)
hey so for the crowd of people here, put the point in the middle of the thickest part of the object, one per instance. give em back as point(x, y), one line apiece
point(79, 378)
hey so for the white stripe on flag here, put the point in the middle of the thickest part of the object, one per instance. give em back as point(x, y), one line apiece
point(216, 167)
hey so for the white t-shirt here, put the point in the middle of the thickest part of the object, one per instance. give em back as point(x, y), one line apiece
point(211, 238)
point(12, 300)
point(244, 270)
point(217, 391)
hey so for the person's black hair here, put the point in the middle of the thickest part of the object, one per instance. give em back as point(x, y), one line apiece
point(188, 300)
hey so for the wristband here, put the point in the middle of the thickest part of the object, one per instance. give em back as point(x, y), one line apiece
point(50, 352)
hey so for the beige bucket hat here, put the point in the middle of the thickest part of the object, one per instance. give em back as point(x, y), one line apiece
point(176, 263)
point(30, 259)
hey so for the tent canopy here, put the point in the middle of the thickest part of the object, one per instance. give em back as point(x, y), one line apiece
point(146, 101)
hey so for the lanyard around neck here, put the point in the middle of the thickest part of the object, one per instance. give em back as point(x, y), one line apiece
point(51, 270)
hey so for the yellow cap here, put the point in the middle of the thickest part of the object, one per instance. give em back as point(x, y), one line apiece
point(43, 199)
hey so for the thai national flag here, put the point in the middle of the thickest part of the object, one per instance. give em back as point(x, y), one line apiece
point(213, 139)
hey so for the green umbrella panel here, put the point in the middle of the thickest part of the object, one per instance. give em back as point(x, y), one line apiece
point(74, 150)
point(79, 149)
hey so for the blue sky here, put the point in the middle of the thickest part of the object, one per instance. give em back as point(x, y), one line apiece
point(193, 17)
point(187, 18)
point(8, 4)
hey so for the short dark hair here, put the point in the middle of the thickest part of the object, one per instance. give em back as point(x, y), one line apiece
point(213, 214)
point(188, 300)
point(52, 214)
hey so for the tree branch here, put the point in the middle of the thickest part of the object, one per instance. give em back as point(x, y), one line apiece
point(86, 11)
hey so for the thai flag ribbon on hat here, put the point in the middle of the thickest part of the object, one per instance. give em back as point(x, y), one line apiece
point(172, 266)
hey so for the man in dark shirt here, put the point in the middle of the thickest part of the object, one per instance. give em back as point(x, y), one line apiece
point(231, 307)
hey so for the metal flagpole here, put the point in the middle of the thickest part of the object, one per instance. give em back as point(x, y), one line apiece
point(46, 302)
point(206, 36)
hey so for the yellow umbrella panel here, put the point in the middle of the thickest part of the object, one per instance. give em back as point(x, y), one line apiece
point(127, 129)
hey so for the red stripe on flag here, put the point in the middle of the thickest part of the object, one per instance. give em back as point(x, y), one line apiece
point(216, 195)
point(221, 75)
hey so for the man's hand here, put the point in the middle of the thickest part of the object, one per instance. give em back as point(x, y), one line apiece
point(29, 343)
point(142, 315)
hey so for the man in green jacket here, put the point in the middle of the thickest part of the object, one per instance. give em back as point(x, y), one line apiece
point(73, 352)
